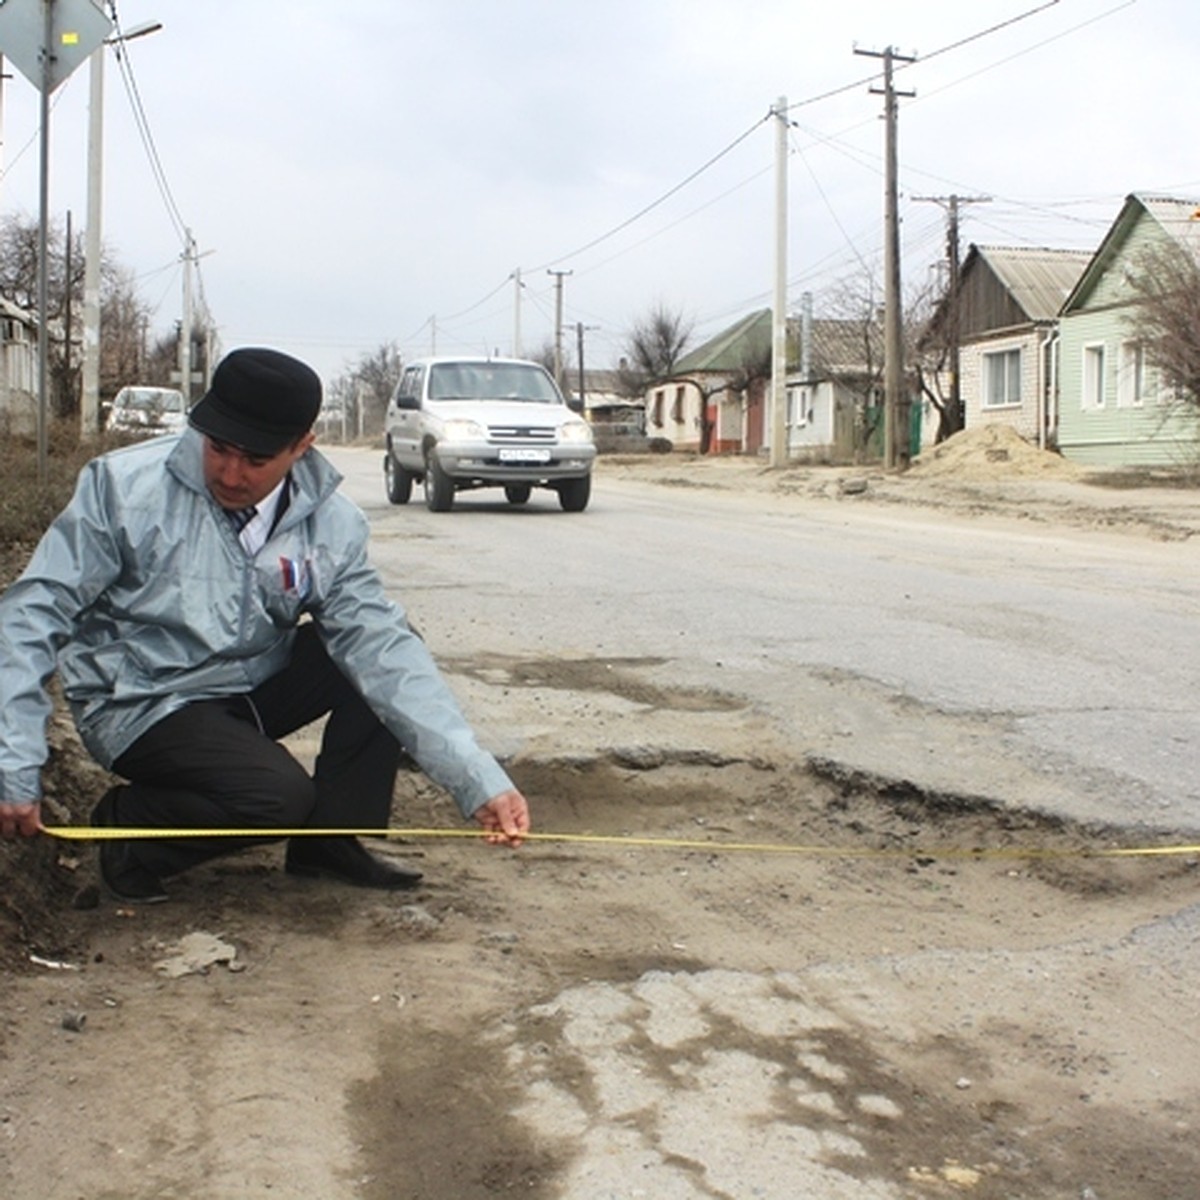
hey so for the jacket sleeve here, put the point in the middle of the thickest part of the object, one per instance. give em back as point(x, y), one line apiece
point(369, 637)
point(77, 558)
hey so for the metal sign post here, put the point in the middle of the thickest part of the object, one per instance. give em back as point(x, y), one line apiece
point(46, 40)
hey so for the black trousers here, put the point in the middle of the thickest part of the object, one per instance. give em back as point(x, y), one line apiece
point(217, 764)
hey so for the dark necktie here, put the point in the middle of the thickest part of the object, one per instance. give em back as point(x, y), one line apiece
point(241, 517)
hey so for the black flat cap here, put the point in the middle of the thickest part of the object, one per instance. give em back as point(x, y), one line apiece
point(260, 401)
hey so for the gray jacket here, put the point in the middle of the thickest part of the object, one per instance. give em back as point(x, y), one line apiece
point(142, 595)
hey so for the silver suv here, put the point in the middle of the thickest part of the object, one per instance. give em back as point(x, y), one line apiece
point(461, 423)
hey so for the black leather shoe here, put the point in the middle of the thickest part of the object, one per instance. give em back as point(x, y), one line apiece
point(124, 877)
point(346, 859)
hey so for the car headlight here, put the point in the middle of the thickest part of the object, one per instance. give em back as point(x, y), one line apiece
point(462, 430)
point(575, 431)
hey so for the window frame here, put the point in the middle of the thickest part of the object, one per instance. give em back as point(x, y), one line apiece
point(1093, 376)
point(1011, 375)
point(1134, 379)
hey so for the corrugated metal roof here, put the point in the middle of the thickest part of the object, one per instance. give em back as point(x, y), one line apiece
point(1038, 279)
point(1179, 217)
point(845, 347)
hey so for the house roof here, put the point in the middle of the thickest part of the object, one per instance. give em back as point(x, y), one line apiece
point(744, 340)
point(1178, 218)
point(838, 346)
point(842, 346)
point(1038, 279)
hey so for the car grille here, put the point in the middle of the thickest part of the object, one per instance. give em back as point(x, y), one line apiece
point(523, 433)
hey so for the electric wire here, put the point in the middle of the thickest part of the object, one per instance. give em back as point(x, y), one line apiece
point(142, 124)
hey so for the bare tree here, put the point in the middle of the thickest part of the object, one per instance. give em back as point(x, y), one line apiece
point(1165, 281)
point(124, 320)
point(655, 343)
point(856, 306)
point(19, 251)
point(755, 366)
point(929, 343)
point(369, 383)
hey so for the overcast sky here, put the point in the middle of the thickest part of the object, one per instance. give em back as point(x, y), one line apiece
point(369, 171)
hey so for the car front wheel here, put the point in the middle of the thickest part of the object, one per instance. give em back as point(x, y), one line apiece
point(573, 494)
point(439, 487)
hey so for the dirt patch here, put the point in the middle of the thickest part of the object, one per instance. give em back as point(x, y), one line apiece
point(732, 974)
point(485, 1030)
point(990, 473)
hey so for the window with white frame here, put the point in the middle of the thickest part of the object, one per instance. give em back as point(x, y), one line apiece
point(1134, 378)
point(1093, 377)
point(799, 401)
point(1002, 378)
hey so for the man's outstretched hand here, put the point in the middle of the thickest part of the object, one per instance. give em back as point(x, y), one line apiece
point(505, 818)
point(20, 820)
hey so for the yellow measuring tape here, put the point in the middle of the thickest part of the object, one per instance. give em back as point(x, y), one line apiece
point(88, 833)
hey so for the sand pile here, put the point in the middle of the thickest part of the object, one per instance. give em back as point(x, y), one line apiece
point(992, 452)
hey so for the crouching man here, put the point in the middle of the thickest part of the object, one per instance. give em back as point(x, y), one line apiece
point(203, 596)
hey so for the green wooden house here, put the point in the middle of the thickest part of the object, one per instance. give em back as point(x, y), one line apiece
point(1113, 410)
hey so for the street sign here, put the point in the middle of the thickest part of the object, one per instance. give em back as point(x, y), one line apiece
point(77, 27)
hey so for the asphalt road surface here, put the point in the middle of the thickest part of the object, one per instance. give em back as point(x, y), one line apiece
point(1038, 667)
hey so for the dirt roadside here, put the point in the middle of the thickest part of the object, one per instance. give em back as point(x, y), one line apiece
point(590, 1020)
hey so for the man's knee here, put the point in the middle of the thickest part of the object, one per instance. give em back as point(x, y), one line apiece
point(281, 796)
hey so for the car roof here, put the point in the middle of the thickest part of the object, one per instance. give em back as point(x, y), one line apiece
point(480, 359)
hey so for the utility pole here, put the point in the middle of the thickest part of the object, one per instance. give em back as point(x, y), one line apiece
point(89, 403)
point(953, 323)
point(89, 397)
point(580, 328)
point(558, 324)
point(895, 417)
point(778, 446)
point(516, 346)
point(67, 356)
point(185, 331)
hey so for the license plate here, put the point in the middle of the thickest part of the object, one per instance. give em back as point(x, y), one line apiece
point(524, 456)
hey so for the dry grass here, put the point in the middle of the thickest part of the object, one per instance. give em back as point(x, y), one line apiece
point(27, 506)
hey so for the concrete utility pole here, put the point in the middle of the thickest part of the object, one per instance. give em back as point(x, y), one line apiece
point(953, 329)
point(89, 405)
point(895, 420)
point(558, 324)
point(779, 432)
point(516, 346)
point(185, 331)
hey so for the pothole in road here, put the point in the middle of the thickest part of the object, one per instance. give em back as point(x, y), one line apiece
point(615, 676)
point(861, 1007)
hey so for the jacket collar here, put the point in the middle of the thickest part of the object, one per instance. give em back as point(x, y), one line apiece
point(314, 477)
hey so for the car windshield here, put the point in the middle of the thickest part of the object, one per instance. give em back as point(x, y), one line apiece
point(151, 400)
point(491, 381)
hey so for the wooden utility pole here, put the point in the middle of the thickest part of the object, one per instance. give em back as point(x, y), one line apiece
point(895, 416)
point(580, 330)
point(953, 322)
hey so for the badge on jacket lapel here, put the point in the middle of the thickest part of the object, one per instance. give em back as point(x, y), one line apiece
point(297, 576)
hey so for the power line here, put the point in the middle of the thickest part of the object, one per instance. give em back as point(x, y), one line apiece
point(142, 124)
point(637, 216)
point(974, 37)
